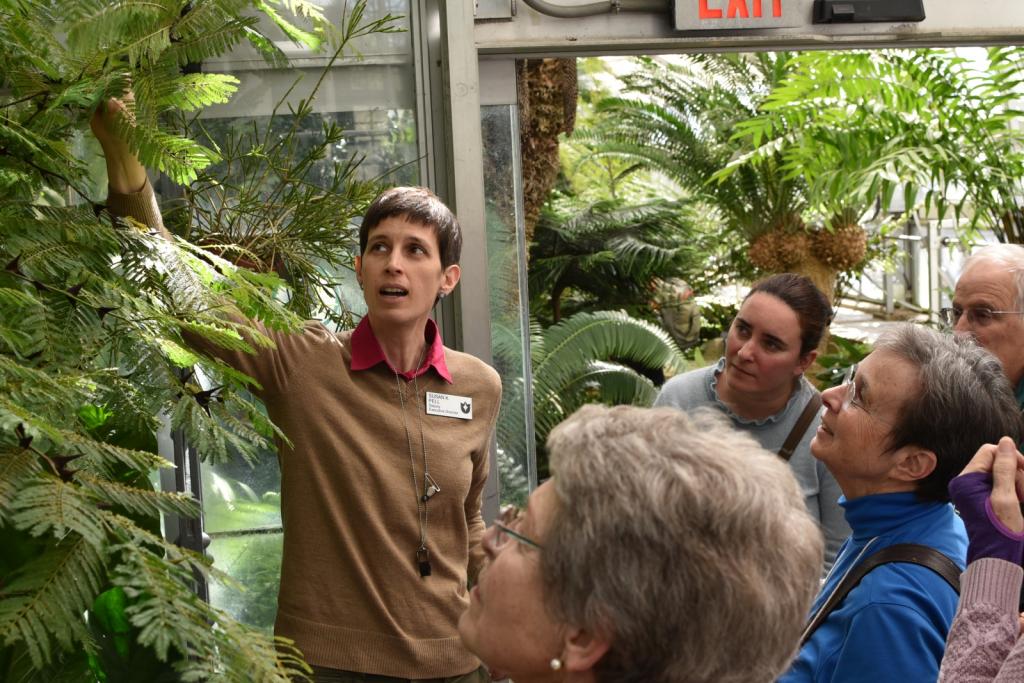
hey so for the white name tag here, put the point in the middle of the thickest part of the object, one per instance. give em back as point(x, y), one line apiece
point(447, 405)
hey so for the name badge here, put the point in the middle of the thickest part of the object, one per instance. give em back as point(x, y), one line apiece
point(447, 405)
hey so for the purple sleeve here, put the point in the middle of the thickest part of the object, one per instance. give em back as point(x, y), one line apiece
point(988, 536)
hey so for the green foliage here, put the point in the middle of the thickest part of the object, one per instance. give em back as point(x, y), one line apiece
point(270, 206)
point(678, 118)
point(840, 354)
point(587, 358)
point(91, 355)
point(715, 319)
point(606, 254)
point(859, 126)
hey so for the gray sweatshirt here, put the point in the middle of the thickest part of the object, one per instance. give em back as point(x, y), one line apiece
point(698, 389)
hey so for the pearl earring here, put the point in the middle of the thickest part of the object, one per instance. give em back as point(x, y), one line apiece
point(442, 294)
point(555, 664)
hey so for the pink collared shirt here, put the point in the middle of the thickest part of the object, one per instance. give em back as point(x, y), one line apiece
point(366, 351)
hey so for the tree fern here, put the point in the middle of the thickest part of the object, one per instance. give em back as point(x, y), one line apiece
point(92, 311)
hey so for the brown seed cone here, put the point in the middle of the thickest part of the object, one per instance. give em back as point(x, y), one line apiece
point(777, 251)
point(843, 248)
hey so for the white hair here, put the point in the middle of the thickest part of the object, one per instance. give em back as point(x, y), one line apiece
point(1008, 256)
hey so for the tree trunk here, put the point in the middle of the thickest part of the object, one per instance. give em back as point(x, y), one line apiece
point(824, 278)
point(821, 274)
point(556, 304)
point(547, 107)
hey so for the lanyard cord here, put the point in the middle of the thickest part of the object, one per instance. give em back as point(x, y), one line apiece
point(429, 487)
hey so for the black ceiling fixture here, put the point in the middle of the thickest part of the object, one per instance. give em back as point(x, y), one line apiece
point(856, 11)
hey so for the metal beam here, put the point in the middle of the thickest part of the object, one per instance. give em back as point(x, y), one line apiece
point(948, 22)
point(466, 198)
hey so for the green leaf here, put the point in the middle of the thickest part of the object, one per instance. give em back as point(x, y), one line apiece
point(178, 354)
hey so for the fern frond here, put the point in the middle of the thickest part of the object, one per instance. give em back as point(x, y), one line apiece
point(271, 53)
point(102, 452)
point(96, 26)
point(311, 40)
point(139, 501)
point(43, 603)
point(16, 465)
point(178, 157)
point(196, 91)
point(166, 616)
point(21, 320)
point(13, 415)
point(47, 505)
point(194, 48)
point(221, 336)
point(26, 385)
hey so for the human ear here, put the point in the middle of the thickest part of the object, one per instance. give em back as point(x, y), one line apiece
point(583, 649)
point(359, 270)
point(805, 361)
point(450, 278)
point(915, 464)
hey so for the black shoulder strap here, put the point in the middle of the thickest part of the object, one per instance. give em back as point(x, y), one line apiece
point(802, 422)
point(911, 553)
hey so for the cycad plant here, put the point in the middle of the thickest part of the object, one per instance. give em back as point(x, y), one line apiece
point(590, 357)
point(606, 254)
point(678, 118)
point(91, 360)
point(941, 127)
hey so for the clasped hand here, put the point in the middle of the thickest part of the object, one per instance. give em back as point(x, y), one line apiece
point(988, 494)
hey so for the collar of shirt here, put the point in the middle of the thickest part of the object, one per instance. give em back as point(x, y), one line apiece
point(366, 351)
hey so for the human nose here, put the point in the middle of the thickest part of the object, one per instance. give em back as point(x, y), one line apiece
point(963, 324)
point(394, 262)
point(832, 398)
point(745, 351)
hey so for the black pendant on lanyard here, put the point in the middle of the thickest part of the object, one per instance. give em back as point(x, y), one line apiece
point(423, 560)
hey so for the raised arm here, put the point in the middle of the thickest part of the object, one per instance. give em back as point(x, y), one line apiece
point(129, 191)
point(131, 195)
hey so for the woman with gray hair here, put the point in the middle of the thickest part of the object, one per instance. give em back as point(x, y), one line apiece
point(906, 420)
point(665, 548)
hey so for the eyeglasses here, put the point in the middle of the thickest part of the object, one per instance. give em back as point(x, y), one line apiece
point(505, 532)
point(977, 317)
point(852, 397)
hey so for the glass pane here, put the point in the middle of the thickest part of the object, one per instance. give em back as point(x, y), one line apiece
point(237, 496)
point(254, 561)
point(509, 322)
point(369, 46)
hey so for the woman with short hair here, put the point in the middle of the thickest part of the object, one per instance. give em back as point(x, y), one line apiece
point(760, 385)
point(665, 547)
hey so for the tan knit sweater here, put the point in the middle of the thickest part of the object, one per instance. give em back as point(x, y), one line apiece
point(351, 595)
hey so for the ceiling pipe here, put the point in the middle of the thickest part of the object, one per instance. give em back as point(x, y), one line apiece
point(595, 8)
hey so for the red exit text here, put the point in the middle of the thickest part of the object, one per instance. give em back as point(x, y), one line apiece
point(737, 9)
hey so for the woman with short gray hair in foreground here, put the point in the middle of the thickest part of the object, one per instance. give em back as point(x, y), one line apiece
point(665, 548)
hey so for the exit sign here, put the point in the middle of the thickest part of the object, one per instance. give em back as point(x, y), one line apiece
point(703, 15)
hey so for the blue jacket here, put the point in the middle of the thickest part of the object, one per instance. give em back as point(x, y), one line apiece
point(893, 625)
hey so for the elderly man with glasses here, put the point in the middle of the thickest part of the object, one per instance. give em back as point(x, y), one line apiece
point(988, 304)
point(906, 421)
